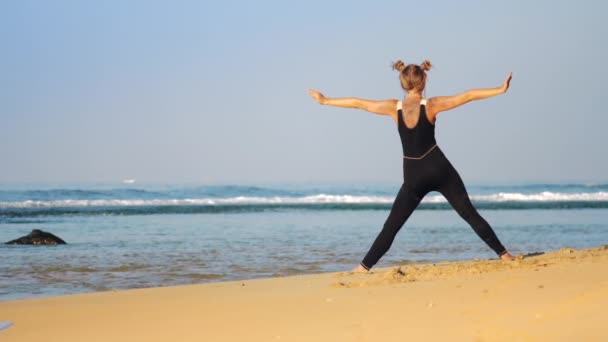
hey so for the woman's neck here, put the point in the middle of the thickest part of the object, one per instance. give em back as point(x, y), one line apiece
point(415, 95)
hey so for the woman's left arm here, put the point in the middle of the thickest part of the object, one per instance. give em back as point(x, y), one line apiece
point(384, 107)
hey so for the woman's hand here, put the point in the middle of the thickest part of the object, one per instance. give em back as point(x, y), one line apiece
point(506, 83)
point(317, 96)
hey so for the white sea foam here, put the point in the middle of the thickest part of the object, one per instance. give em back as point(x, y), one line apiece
point(315, 199)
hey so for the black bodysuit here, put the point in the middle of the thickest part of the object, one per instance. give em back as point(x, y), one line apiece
point(426, 169)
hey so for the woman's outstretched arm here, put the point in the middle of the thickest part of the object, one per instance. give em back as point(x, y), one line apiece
point(385, 107)
point(439, 104)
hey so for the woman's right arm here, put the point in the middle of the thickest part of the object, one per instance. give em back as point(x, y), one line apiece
point(382, 107)
point(439, 104)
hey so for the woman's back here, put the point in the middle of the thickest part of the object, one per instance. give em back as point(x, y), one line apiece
point(416, 131)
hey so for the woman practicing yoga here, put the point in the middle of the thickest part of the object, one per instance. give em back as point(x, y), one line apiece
point(425, 167)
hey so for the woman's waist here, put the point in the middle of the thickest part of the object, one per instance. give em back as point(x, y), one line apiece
point(419, 153)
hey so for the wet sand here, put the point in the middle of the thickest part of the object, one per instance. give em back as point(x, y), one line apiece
point(556, 296)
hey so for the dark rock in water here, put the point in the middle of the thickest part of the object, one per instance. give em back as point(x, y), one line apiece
point(37, 237)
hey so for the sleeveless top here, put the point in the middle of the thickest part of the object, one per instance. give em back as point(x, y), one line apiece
point(416, 142)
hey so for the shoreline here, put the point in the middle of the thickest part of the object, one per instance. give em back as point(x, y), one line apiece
point(559, 295)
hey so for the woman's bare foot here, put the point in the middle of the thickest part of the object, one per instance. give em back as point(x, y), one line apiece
point(359, 269)
point(507, 257)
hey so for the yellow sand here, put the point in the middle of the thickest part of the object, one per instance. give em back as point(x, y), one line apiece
point(558, 296)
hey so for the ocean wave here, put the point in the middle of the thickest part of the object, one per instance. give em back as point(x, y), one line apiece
point(545, 196)
point(321, 198)
point(168, 193)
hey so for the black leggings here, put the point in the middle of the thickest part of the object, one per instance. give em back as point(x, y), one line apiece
point(432, 173)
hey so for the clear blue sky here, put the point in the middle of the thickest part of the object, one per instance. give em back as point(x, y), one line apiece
point(215, 91)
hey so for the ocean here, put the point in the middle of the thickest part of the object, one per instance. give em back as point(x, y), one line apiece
point(131, 235)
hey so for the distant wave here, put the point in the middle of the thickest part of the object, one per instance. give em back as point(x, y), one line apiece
point(315, 199)
point(240, 204)
point(545, 196)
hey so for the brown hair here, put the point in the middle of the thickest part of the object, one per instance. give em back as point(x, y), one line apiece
point(412, 76)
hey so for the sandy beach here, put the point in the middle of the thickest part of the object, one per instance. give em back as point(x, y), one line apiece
point(556, 296)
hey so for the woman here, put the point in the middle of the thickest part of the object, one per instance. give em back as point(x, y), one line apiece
point(425, 167)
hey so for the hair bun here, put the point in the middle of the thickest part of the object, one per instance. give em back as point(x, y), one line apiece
point(399, 66)
point(426, 65)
